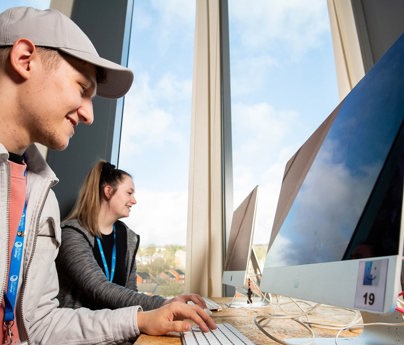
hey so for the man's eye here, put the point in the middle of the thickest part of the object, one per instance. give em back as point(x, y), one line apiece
point(84, 89)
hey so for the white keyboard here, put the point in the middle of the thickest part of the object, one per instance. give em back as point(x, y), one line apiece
point(224, 334)
point(212, 305)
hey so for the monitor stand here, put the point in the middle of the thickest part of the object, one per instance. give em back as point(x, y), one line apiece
point(247, 300)
point(243, 298)
point(255, 266)
point(241, 302)
point(371, 335)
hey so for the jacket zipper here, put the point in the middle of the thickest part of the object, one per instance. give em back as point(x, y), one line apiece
point(3, 286)
point(21, 299)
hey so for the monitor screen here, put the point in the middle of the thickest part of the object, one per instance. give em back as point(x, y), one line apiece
point(336, 237)
point(240, 242)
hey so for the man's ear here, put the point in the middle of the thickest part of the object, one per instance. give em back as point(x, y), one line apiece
point(21, 57)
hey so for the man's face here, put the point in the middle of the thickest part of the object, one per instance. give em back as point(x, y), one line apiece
point(58, 99)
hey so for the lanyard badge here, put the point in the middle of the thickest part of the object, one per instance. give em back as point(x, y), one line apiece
point(110, 277)
point(13, 278)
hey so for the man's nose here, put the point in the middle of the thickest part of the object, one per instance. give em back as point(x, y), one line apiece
point(85, 112)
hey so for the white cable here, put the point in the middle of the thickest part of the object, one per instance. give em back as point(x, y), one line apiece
point(296, 317)
point(260, 319)
point(361, 325)
point(335, 326)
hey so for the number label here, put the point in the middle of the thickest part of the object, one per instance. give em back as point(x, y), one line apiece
point(371, 285)
point(369, 298)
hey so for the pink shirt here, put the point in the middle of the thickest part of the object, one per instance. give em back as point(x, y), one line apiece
point(17, 200)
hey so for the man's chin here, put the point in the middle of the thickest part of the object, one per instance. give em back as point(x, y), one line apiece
point(60, 146)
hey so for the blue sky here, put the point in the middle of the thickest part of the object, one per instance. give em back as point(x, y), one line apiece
point(283, 85)
point(33, 3)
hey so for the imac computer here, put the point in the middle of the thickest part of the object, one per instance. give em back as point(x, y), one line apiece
point(337, 237)
point(239, 246)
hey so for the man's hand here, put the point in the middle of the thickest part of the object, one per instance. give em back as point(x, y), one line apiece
point(193, 297)
point(173, 317)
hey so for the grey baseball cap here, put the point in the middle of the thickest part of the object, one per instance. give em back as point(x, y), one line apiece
point(50, 28)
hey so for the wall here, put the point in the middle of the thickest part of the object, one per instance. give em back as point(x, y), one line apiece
point(100, 140)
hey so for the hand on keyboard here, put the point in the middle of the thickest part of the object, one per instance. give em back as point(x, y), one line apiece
point(187, 298)
point(171, 318)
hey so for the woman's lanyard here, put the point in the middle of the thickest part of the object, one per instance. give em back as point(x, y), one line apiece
point(14, 273)
point(113, 259)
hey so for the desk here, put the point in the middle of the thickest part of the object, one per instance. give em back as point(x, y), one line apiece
point(243, 319)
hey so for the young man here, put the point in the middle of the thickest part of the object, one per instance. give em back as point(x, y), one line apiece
point(49, 73)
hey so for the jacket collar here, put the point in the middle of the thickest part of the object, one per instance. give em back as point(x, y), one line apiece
point(35, 162)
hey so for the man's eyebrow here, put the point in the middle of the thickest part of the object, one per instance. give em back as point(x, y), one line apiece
point(100, 77)
point(92, 82)
point(93, 74)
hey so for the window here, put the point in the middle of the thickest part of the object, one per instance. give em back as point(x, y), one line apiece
point(283, 85)
point(155, 138)
point(41, 4)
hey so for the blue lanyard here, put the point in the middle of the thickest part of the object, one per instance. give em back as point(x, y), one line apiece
point(15, 267)
point(113, 259)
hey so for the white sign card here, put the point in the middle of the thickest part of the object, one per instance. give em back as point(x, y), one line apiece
point(371, 285)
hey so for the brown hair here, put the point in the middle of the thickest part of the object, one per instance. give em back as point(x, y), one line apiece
point(50, 57)
point(91, 193)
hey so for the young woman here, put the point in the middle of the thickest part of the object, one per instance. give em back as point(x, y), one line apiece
point(97, 259)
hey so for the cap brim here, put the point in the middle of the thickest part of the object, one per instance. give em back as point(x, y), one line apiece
point(118, 78)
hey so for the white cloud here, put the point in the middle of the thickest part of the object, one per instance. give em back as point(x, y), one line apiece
point(296, 24)
point(261, 126)
point(265, 137)
point(175, 12)
point(142, 18)
point(151, 119)
point(175, 23)
point(251, 69)
point(159, 217)
point(174, 90)
point(326, 210)
point(265, 141)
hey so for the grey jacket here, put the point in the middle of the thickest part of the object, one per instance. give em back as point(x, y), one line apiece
point(39, 319)
point(82, 280)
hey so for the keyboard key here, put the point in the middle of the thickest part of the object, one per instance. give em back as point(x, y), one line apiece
point(212, 305)
point(225, 334)
point(234, 334)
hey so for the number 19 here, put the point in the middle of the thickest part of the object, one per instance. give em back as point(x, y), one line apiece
point(369, 298)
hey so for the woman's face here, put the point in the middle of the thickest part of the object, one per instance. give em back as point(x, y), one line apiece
point(123, 199)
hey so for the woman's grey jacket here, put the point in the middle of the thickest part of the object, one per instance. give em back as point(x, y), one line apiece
point(83, 282)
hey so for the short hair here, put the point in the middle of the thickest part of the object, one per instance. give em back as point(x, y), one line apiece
point(4, 53)
point(50, 57)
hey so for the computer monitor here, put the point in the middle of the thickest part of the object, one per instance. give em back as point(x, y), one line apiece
point(337, 237)
point(240, 242)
